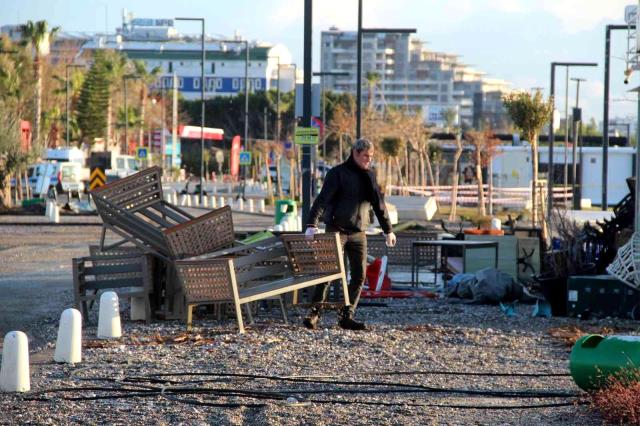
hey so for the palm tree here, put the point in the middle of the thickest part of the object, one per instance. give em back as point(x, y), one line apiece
point(392, 147)
point(478, 140)
point(116, 66)
point(38, 36)
point(146, 78)
point(455, 176)
point(530, 113)
point(373, 78)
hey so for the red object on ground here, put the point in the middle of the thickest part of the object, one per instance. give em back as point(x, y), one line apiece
point(397, 294)
point(386, 291)
point(483, 231)
point(373, 274)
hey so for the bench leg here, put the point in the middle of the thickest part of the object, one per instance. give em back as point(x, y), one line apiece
point(239, 317)
point(189, 316)
point(249, 314)
point(345, 290)
point(285, 318)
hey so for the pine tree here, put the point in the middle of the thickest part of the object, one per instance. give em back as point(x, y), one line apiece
point(94, 101)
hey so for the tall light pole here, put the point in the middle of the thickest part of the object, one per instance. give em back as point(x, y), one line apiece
point(359, 61)
point(202, 84)
point(277, 99)
point(322, 75)
point(552, 90)
point(576, 127)
point(605, 114)
point(306, 110)
point(66, 95)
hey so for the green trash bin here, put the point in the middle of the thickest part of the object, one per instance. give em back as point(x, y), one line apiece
point(284, 207)
point(595, 358)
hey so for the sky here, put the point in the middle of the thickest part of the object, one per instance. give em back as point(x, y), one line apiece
point(514, 40)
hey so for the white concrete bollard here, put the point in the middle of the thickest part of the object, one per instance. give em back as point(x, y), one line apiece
point(14, 372)
point(240, 204)
point(230, 202)
point(47, 210)
point(212, 201)
point(109, 316)
point(55, 213)
point(195, 200)
point(251, 209)
point(138, 311)
point(221, 199)
point(205, 201)
point(262, 206)
point(69, 343)
point(183, 200)
point(174, 198)
point(188, 203)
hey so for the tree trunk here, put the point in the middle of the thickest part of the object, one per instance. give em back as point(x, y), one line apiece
point(533, 137)
point(423, 176)
point(490, 172)
point(279, 176)
point(400, 173)
point(430, 171)
point(454, 178)
point(269, 185)
point(481, 208)
point(38, 112)
point(109, 118)
point(5, 194)
point(292, 178)
point(143, 98)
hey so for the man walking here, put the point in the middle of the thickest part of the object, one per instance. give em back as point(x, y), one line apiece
point(349, 191)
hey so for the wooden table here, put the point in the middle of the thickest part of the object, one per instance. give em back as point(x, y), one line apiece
point(443, 244)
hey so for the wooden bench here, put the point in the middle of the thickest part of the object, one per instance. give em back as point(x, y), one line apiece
point(126, 273)
point(134, 209)
point(263, 274)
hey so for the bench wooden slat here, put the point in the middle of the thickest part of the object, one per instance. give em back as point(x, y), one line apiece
point(261, 272)
point(155, 218)
point(171, 211)
point(285, 285)
point(124, 268)
point(111, 283)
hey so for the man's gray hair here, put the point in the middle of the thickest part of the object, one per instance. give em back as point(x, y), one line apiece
point(362, 145)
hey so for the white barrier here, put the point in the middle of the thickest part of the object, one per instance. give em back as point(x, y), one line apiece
point(240, 204)
point(262, 206)
point(69, 343)
point(14, 372)
point(251, 209)
point(221, 200)
point(212, 201)
point(109, 316)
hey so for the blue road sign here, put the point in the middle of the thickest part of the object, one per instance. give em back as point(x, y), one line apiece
point(142, 153)
point(245, 158)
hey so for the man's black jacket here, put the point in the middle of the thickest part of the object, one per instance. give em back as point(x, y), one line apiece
point(346, 197)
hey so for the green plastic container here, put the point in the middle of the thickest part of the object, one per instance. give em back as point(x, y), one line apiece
point(595, 358)
point(32, 202)
point(283, 207)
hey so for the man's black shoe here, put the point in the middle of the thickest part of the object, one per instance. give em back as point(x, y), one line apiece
point(349, 323)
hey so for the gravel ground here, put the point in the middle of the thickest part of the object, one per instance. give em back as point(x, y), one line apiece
point(120, 382)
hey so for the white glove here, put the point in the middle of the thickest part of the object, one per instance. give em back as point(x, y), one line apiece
point(310, 232)
point(391, 239)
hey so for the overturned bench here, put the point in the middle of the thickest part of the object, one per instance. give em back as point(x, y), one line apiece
point(279, 269)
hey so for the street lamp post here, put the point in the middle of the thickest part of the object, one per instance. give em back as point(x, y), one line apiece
point(277, 99)
point(605, 114)
point(322, 75)
point(576, 127)
point(359, 61)
point(202, 84)
point(551, 130)
point(66, 95)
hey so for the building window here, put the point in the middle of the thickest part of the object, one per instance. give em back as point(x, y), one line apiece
point(213, 67)
point(170, 67)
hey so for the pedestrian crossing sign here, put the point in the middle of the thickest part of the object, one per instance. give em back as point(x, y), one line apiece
point(142, 153)
point(245, 158)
